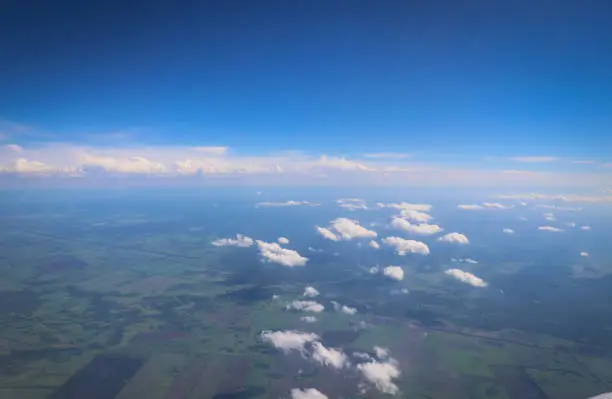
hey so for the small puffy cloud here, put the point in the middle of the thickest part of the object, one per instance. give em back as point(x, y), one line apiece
point(310, 292)
point(484, 205)
point(306, 306)
point(394, 272)
point(211, 150)
point(570, 224)
point(240, 241)
point(309, 393)
point(466, 277)
point(273, 252)
point(352, 204)
point(415, 216)
point(455, 237)
point(550, 228)
point(538, 159)
point(308, 319)
point(549, 216)
point(283, 240)
point(348, 310)
point(523, 218)
point(464, 260)
point(13, 147)
point(327, 233)
point(584, 254)
point(381, 374)
point(403, 246)
point(585, 228)
point(329, 356)
point(401, 206)
point(374, 244)
point(374, 270)
point(508, 231)
point(289, 340)
point(349, 229)
point(421, 229)
point(286, 203)
point(381, 353)
point(558, 207)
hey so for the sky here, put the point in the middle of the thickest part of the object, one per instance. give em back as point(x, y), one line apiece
point(235, 87)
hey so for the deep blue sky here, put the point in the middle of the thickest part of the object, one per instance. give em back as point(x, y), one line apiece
point(493, 77)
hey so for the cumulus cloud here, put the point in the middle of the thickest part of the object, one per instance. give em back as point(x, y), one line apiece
point(406, 206)
point(403, 246)
point(310, 292)
point(381, 374)
point(508, 231)
point(585, 228)
point(309, 393)
point(308, 319)
point(306, 306)
point(558, 197)
point(327, 233)
point(584, 254)
point(352, 204)
point(559, 207)
point(549, 216)
point(13, 147)
point(415, 216)
point(283, 240)
point(348, 310)
point(374, 244)
point(286, 203)
point(455, 237)
point(464, 260)
point(538, 159)
point(484, 205)
point(289, 340)
point(239, 241)
point(394, 272)
point(329, 356)
point(549, 228)
point(345, 229)
point(466, 277)
point(421, 229)
point(273, 252)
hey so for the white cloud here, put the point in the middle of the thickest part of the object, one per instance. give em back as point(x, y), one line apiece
point(549, 216)
point(381, 374)
point(310, 292)
point(455, 237)
point(559, 208)
point(464, 260)
point(239, 241)
point(308, 319)
point(607, 395)
point(381, 353)
point(352, 204)
point(286, 203)
point(374, 244)
point(535, 159)
point(422, 229)
point(327, 233)
point(394, 272)
point(403, 246)
point(329, 356)
point(570, 224)
point(309, 393)
point(406, 206)
point(289, 340)
point(559, 197)
point(523, 218)
point(283, 240)
point(585, 228)
point(273, 252)
point(584, 254)
point(508, 231)
point(466, 277)
point(348, 310)
point(484, 205)
point(13, 147)
point(374, 270)
point(549, 228)
point(306, 306)
point(415, 216)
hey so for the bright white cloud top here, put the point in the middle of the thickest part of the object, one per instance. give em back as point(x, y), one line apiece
point(585, 228)
point(306, 306)
point(345, 229)
point(329, 356)
point(283, 240)
point(483, 206)
point(419, 229)
point(289, 340)
point(352, 204)
point(308, 319)
point(348, 310)
point(286, 203)
point(240, 241)
point(457, 238)
point(310, 292)
point(381, 374)
point(584, 254)
point(466, 277)
point(403, 246)
point(374, 244)
point(309, 393)
point(394, 272)
point(273, 252)
point(406, 206)
point(508, 231)
point(550, 228)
